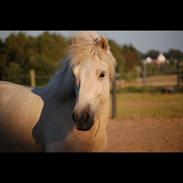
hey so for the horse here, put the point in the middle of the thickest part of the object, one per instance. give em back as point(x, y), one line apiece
point(71, 112)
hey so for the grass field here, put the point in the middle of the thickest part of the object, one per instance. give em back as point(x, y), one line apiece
point(149, 105)
point(134, 100)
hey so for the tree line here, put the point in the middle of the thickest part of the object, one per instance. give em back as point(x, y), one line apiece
point(19, 53)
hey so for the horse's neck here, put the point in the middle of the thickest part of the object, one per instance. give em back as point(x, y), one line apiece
point(55, 122)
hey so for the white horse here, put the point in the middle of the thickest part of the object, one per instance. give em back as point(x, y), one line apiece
point(71, 112)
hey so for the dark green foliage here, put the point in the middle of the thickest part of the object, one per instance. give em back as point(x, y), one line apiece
point(152, 53)
point(117, 51)
point(174, 54)
point(20, 53)
point(128, 59)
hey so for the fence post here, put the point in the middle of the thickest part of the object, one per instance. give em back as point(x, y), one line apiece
point(32, 78)
point(114, 99)
point(178, 73)
point(144, 72)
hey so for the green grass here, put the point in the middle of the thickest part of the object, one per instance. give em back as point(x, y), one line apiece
point(149, 105)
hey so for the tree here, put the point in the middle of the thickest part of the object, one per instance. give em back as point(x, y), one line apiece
point(152, 53)
point(51, 45)
point(14, 73)
point(128, 59)
point(174, 54)
point(1, 46)
point(2, 59)
point(118, 54)
point(23, 53)
point(131, 56)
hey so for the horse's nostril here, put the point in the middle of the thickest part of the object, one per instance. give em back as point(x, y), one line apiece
point(86, 116)
point(82, 117)
point(74, 116)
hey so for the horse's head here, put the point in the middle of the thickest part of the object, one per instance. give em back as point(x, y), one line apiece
point(93, 66)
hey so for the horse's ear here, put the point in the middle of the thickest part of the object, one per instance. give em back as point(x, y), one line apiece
point(103, 43)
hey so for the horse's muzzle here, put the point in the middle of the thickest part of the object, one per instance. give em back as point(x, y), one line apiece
point(83, 120)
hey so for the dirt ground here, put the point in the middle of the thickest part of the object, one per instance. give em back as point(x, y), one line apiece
point(145, 135)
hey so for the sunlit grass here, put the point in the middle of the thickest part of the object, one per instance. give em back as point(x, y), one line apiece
point(149, 105)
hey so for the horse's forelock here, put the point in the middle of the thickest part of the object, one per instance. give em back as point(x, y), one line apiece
point(88, 43)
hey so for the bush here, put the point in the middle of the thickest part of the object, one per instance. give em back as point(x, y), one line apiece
point(133, 74)
point(14, 73)
point(20, 53)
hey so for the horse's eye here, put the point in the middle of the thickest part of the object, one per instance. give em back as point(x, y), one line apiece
point(102, 75)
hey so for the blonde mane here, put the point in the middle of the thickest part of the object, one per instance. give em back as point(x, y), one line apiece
point(87, 44)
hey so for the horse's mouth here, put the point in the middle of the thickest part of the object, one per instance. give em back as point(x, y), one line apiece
point(84, 127)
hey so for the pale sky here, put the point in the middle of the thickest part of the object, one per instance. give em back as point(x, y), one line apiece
point(142, 40)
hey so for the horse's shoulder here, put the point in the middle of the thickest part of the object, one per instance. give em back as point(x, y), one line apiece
point(15, 98)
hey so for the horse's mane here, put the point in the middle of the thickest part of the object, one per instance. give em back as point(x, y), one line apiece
point(58, 79)
point(83, 45)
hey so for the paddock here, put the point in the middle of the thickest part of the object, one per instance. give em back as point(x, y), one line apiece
point(147, 122)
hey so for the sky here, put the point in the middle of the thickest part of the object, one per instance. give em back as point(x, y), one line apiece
point(142, 40)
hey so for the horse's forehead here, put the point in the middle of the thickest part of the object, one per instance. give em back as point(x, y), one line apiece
point(91, 64)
